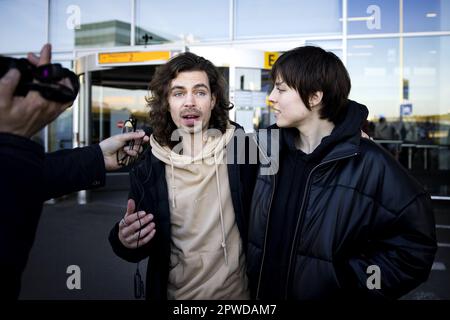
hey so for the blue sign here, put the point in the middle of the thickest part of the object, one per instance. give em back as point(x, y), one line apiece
point(406, 109)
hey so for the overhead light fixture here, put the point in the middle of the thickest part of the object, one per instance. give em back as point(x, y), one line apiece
point(370, 18)
point(431, 15)
point(362, 46)
point(359, 54)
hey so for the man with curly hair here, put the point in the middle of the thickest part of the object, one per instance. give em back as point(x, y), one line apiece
point(188, 204)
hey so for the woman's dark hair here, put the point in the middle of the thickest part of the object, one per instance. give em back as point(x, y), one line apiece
point(160, 119)
point(310, 69)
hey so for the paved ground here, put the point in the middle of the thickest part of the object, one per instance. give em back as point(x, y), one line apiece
point(71, 234)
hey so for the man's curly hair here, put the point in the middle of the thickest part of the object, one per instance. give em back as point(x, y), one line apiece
point(160, 119)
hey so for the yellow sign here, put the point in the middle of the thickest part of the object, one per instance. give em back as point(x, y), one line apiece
point(270, 58)
point(135, 56)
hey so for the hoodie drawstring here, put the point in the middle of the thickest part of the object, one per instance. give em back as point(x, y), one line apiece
point(173, 182)
point(223, 244)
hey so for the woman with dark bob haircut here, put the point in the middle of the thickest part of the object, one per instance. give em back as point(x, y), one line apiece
point(341, 219)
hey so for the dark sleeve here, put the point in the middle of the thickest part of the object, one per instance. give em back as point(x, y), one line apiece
point(67, 171)
point(130, 255)
point(21, 179)
point(404, 254)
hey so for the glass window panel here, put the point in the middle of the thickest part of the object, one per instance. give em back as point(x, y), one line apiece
point(373, 16)
point(176, 20)
point(248, 87)
point(86, 23)
point(22, 25)
point(430, 15)
point(111, 106)
point(117, 94)
point(60, 130)
point(373, 65)
point(421, 87)
point(256, 18)
point(427, 71)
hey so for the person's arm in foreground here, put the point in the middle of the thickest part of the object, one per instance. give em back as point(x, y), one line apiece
point(66, 171)
point(21, 174)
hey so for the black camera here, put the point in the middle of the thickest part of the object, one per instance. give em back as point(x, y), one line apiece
point(46, 79)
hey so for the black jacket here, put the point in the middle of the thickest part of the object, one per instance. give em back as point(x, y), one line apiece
point(359, 208)
point(149, 190)
point(28, 176)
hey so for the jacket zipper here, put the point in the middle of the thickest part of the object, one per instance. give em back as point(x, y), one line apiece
point(265, 239)
point(300, 215)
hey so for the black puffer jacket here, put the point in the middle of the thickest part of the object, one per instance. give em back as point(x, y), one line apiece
point(149, 190)
point(359, 208)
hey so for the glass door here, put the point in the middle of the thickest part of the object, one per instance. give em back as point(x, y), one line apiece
point(116, 95)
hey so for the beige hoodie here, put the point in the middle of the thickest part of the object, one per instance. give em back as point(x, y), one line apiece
point(207, 258)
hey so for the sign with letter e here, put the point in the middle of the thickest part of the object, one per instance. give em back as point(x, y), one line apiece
point(270, 58)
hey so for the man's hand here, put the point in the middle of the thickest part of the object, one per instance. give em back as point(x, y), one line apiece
point(24, 116)
point(130, 225)
point(116, 143)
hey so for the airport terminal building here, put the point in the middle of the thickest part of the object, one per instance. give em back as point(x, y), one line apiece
point(394, 51)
